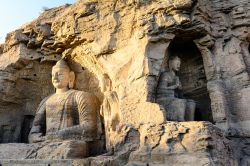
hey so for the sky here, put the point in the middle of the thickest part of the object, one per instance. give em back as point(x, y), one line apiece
point(15, 13)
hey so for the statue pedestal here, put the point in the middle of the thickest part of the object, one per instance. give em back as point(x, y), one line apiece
point(44, 162)
point(68, 149)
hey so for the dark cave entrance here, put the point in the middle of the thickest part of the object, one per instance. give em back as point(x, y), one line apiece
point(26, 126)
point(248, 66)
point(249, 45)
point(193, 78)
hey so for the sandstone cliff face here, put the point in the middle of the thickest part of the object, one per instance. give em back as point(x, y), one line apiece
point(130, 41)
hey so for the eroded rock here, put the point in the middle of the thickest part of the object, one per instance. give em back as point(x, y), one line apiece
point(130, 42)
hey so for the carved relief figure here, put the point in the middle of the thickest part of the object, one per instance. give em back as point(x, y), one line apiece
point(67, 115)
point(168, 94)
point(110, 111)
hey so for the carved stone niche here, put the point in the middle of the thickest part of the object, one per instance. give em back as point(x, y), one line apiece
point(193, 83)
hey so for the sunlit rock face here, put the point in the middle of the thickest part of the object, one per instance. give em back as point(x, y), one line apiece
point(119, 50)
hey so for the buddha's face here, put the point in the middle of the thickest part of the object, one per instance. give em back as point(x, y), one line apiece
point(60, 77)
point(175, 64)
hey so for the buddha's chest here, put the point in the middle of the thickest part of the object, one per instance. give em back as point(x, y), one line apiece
point(170, 78)
point(167, 79)
point(60, 113)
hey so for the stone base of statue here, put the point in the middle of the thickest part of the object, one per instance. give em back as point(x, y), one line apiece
point(66, 149)
point(190, 110)
point(178, 109)
point(59, 150)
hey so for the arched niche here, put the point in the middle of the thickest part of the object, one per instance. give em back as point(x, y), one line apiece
point(192, 77)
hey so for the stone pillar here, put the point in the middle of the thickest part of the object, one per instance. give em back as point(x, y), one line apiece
point(215, 85)
point(218, 102)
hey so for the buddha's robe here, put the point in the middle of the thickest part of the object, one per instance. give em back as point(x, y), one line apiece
point(73, 114)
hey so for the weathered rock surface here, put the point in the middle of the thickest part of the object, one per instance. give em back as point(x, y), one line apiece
point(56, 150)
point(186, 143)
point(131, 41)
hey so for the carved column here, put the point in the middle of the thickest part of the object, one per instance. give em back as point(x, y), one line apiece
point(215, 84)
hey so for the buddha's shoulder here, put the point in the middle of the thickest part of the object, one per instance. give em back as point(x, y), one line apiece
point(78, 92)
point(83, 95)
point(44, 100)
point(72, 94)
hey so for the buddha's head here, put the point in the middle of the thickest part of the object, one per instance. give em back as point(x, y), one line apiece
point(174, 63)
point(62, 76)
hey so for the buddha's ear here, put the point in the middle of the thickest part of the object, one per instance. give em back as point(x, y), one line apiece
point(71, 79)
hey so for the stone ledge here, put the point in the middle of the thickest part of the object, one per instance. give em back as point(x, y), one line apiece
point(81, 162)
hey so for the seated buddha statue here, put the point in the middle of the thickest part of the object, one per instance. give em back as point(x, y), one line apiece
point(168, 94)
point(68, 115)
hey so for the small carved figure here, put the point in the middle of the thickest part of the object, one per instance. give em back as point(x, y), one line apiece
point(168, 94)
point(66, 115)
point(110, 111)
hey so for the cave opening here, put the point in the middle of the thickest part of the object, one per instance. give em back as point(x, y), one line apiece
point(26, 127)
point(248, 42)
point(192, 77)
